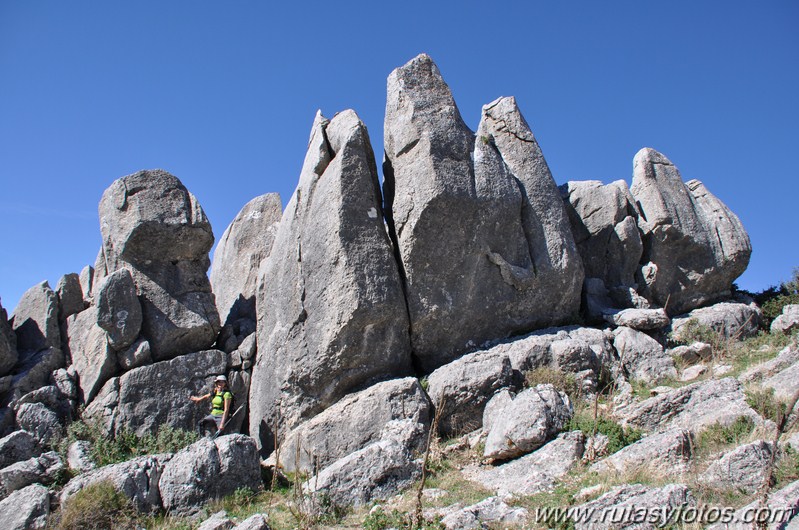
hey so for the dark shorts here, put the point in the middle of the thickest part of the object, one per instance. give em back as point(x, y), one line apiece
point(209, 420)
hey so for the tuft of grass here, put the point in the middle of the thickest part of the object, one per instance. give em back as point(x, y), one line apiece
point(618, 437)
point(787, 469)
point(125, 445)
point(718, 436)
point(98, 506)
point(562, 381)
point(765, 403)
point(378, 519)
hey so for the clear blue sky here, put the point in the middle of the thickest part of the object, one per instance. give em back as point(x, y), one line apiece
point(223, 94)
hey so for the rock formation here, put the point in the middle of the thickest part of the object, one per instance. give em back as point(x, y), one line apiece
point(481, 235)
point(331, 311)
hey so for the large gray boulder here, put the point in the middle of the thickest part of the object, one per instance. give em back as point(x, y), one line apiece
point(35, 320)
point(474, 268)
point(730, 320)
point(642, 356)
point(43, 423)
point(787, 321)
point(621, 507)
point(209, 469)
point(26, 509)
point(8, 345)
point(524, 422)
point(743, 469)
point(34, 370)
point(687, 407)
point(462, 388)
point(640, 319)
point(491, 510)
point(604, 221)
point(18, 446)
point(137, 479)
point(353, 423)
point(694, 246)
point(118, 309)
point(145, 398)
point(378, 471)
point(43, 470)
point(532, 473)
point(154, 227)
point(70, 295)
point(331, 310)
point(666, 454)
point(92, 357)
point(246, 243)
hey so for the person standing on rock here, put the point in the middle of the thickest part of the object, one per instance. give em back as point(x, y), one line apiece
point(221, 401)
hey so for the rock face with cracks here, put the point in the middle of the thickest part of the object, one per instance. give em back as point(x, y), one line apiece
point(506, 262)
point(331, 311)
point(694, 246)
point(153, 226)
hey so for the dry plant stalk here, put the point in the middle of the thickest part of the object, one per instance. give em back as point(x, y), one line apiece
point(417, 521)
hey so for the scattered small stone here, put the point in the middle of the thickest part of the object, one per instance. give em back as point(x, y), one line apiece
point(693, 372)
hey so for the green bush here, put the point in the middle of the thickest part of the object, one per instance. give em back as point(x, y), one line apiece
point(773, 299)
point(618, 437)
point(95, 507)
point(718, 435)
point(125, 445)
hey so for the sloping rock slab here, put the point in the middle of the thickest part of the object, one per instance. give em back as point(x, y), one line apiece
point(492, 510)
point(35, 320)
point(631, 506)
point(788, 321)
point(158, 394)
point(643, 357)
point(26, 509)
point(18, 446)
point(666, 454)
point(788, 357)
point(742, 469)
point(42, 470)
point(730, 320)
point(532, 473)
point(355, 422)
point(136, 478)
point(640, 319)
point(209, 469)
point(781, 512)
point(693, 407)
point(463, 387)
point(378, 471)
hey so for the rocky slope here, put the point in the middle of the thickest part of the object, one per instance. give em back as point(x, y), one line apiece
point(364, 325)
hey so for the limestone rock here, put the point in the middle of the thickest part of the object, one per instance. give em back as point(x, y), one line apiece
point(34, 370)
point(42, 470)
point(40, 421)
point(530, 419)
point(665, 454)
point(35, 320)
point(639, 319)
point(781, 507)
point(18, 446)
point(153, 226)
point(491, 510)
point(8, 345)
point(787, 321)
point(786, 358)
point(627, 503)
point(464, 386)
point(643, 357)
point(694, 246)
point(784, 383)
point(70, 295)
point(93, 359)
point(687, 407)
point(79, 456)
point(532, 473)
point(246, 243)
point(26, 509)
point(52, 398)
point(693, 372)
point(331, 310)
point(378, 471)
point(118, 309)
point(604, 223)
point(353, 423)
point(730, 320)
point(218, 521)
point(136, 478)
point(692, 353)
point(136, 355)
point(87, 282)
point(209, 469)
point(158, 394)
point(257, 521)
point(506, 263)
point(742, 469)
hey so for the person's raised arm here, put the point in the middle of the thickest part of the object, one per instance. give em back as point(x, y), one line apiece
point(197, 399)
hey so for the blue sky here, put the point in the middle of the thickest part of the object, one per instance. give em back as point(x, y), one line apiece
point(223, 94)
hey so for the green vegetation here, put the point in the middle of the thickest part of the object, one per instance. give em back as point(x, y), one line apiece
point(717, 436)
point(618, 436)
point(773, 299)
point(764, 402)
point(98, 506)
point(380, 520)
point(562, 381)
point(126, 445)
